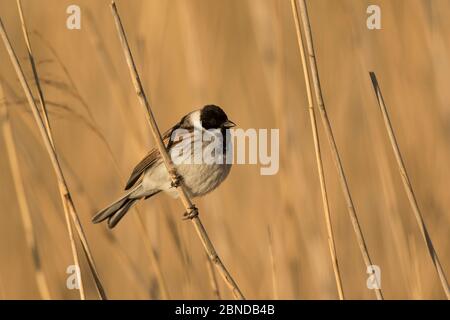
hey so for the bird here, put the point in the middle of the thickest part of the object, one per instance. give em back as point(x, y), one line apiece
point(195, 131)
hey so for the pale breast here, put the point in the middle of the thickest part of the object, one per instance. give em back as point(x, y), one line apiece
point(203, 178)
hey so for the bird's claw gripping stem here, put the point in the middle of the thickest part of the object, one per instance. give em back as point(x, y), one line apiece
point(193, 212)
point(176, 180)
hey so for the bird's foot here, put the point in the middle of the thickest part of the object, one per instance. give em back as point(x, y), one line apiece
point(176, 180)
point(193, 212)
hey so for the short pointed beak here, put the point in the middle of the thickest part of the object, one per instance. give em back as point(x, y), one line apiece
point(229, 124)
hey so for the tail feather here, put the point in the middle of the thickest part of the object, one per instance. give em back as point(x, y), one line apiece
point(116, 216)
point(115, 211)
point(112, 208)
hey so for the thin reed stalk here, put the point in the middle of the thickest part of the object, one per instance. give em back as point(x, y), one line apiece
point(273, 264)
point(25, 214)
point(153, 259)
point(69, 207)
point(304, 18)
point(408, 186)
point(34, 70)
point(73, 247)
point(323, 188)
point(2, 290)
point(189, 206)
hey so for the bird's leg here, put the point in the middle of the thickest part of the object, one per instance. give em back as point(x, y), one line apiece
point(193, 212)
point(176, 180)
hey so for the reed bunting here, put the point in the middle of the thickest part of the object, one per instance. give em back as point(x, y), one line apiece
point(150, 176)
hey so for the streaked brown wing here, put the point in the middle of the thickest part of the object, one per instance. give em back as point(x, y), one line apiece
point(150, 159)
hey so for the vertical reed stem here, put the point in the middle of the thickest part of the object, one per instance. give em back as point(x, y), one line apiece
point(273, 265)
point(68, 204)
point(323, 188)
point(408, 187)
point(329, 133)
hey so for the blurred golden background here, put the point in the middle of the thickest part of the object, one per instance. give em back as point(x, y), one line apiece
point(243, 56)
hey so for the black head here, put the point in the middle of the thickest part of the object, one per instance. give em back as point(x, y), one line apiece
point(213, 117)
